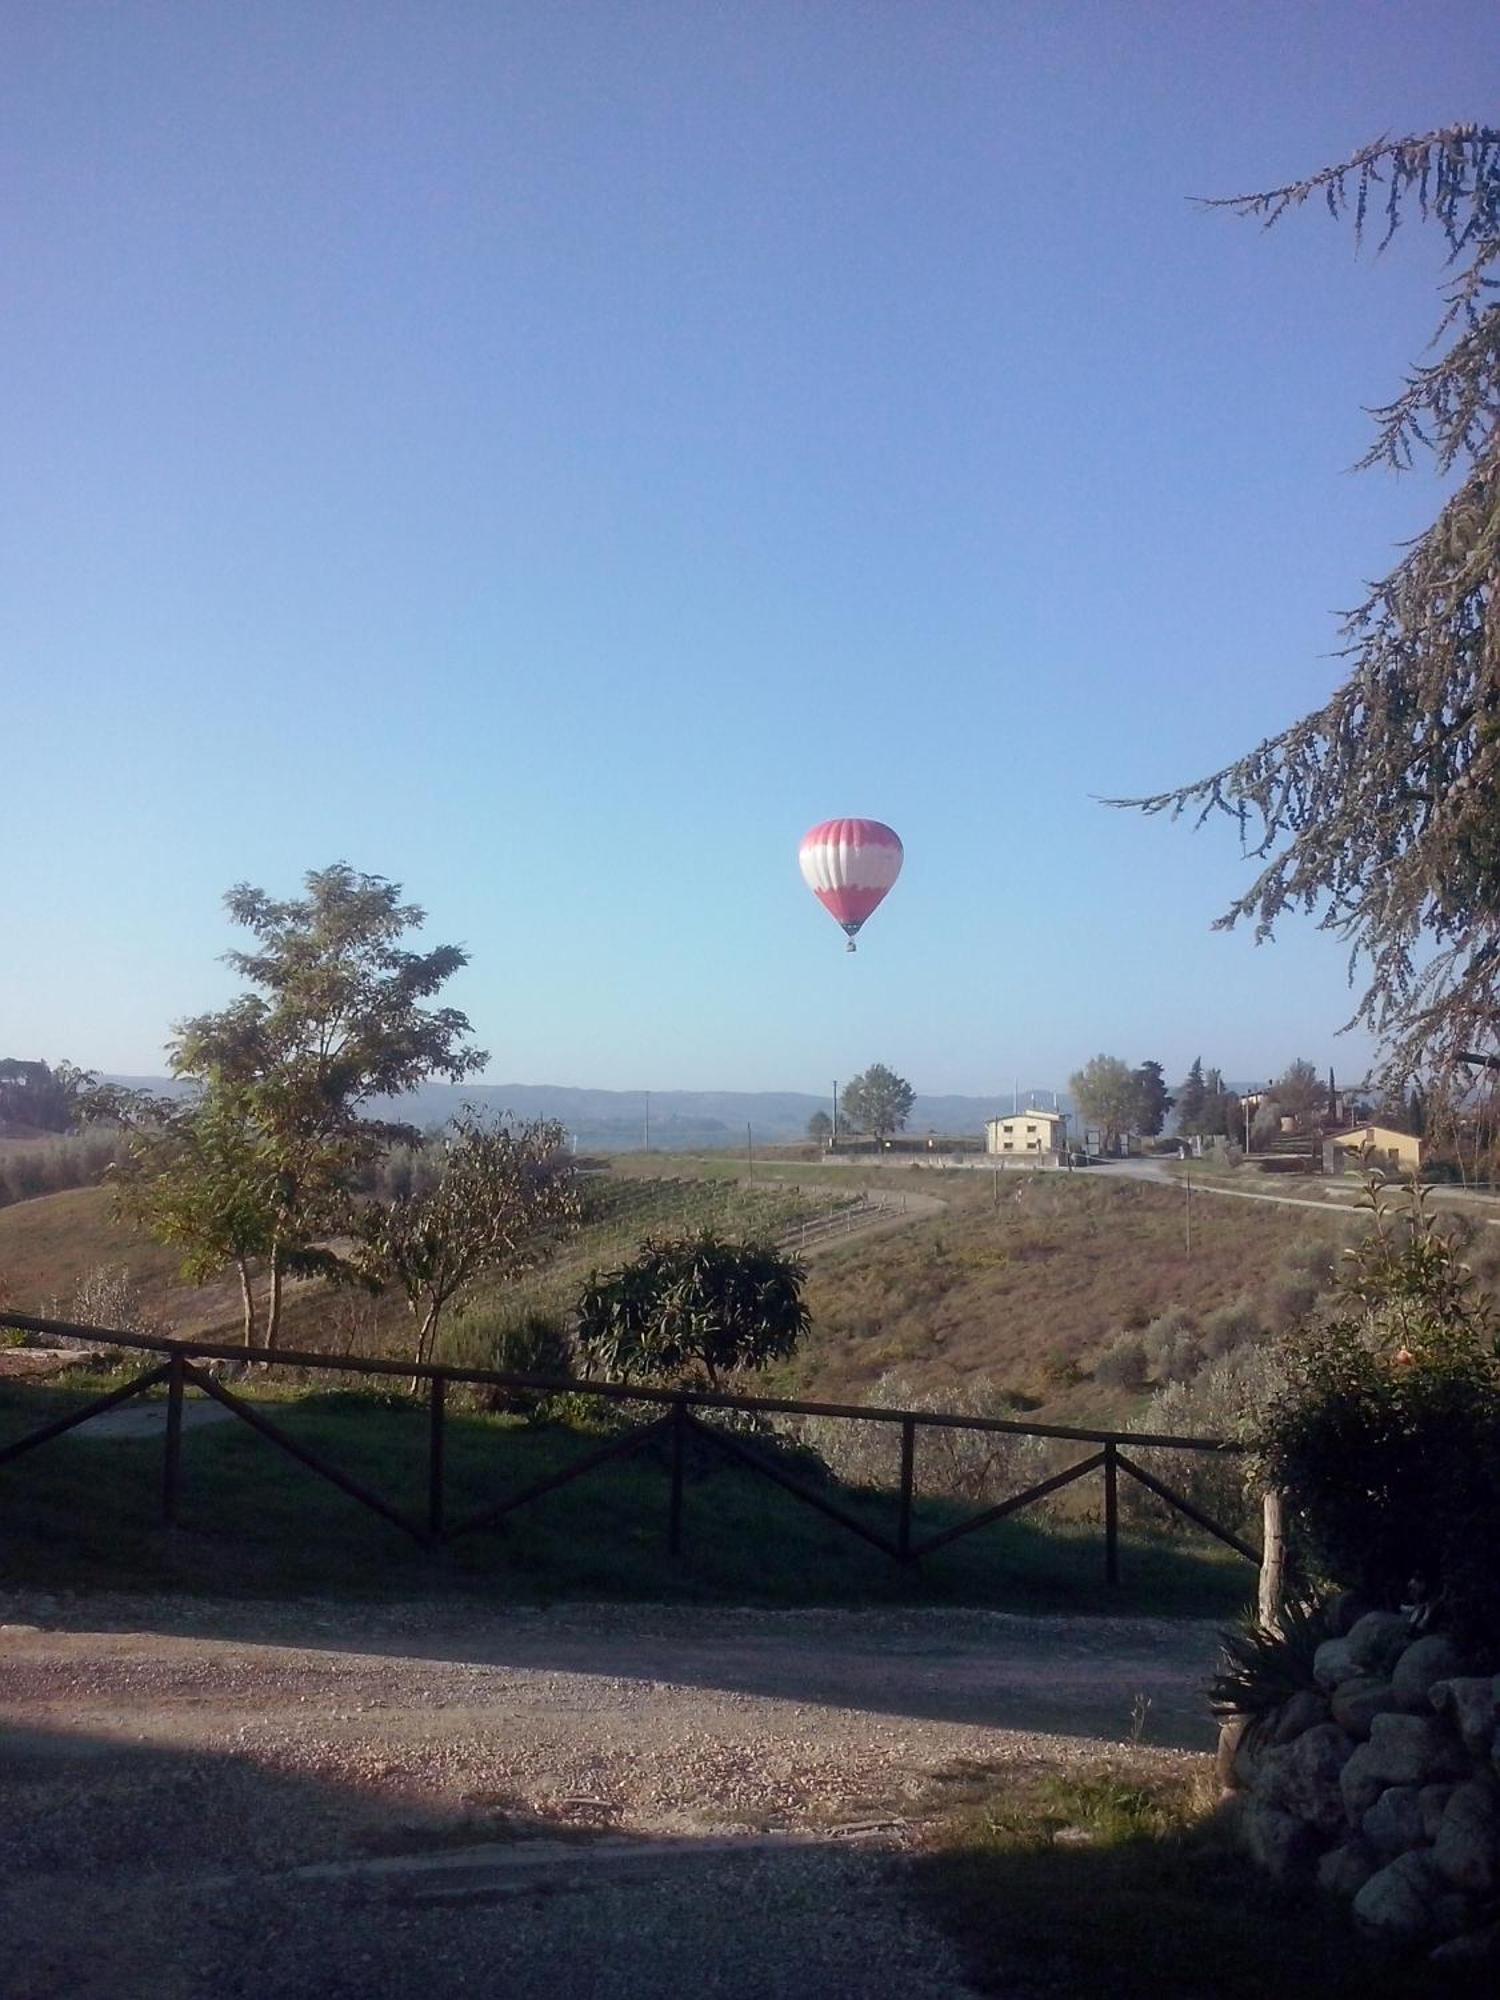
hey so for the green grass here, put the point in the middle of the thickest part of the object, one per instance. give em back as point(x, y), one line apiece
point(86, 1514)
point(1116, 1884)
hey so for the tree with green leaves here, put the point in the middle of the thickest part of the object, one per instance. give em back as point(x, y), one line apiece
point(1107, 1094)
point(1192, 1097)
point(1381, 808)
point(201, 1176)
point(42, 1099)
point(820, 1128)
point(1152, 1099)
point(1301, 1094)
point(286, 1074)
point(877, 1101)
point(502, 1198)
point(693, 1304)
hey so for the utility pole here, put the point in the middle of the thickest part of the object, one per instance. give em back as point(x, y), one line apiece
point(833, 1137)
point(646, 1142)
point(749, 1153)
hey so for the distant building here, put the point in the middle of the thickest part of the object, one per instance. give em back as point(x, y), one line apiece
point(1372, 1146)
point(1042, 1133)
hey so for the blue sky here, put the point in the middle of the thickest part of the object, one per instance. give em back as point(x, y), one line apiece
point(553, 455)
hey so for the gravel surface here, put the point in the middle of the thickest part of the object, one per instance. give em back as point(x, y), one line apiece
point(582, 1800)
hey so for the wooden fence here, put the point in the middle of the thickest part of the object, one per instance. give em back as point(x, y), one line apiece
point(682, 1419)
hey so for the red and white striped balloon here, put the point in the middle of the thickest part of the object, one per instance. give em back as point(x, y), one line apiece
point(849, 864)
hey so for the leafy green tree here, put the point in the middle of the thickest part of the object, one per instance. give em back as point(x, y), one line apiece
point(502, 1197)
point(696, 1303)
point(1301, 1094)
point(43, 1099)
point(285, 1075)
point(820, 1128)
point(1192, 1098)
point(1107, 1094)
point(202, 1177)
point(1381, 808)
point(1152, 1099)
point(878, 1101)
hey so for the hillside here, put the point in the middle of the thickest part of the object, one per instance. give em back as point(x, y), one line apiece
point(1021, 1298)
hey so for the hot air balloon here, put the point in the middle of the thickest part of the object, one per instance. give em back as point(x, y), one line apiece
point(849, 864)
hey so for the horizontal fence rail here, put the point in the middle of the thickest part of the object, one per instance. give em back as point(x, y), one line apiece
point(680, 1421)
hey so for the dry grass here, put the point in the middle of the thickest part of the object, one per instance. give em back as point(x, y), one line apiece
point(1023, 1292)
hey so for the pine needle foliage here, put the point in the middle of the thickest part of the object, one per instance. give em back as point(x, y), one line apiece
point(1381, 809)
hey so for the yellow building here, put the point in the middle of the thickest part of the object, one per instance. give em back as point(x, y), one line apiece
point(1372, 1146)
point(1034, 1132)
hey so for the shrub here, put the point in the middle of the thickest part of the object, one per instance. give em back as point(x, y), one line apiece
point(109, 1297)
point(1386, 1435)
point(691, 1304)
point(1123, 1363)
point(1228, 1328)
point(1223, 1400)
point(978, 1466)
point(1171, 1346)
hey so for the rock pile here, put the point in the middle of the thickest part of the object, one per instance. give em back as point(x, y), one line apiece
point(1383, 1785)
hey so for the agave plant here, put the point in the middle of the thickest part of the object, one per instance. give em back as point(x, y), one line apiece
point(1264, 1667)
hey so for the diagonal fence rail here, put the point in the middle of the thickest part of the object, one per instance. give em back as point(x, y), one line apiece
point(681, 1421)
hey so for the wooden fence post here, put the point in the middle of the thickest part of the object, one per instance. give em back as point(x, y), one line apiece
point(908, 1480)
point(435, 1440)
point(171, 1464)
point(1111, 1512)
point(679, 1455)
point(1271, 1597)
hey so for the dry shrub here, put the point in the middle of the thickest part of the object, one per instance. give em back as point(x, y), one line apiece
point(981, 1467)
point(1223, 1400)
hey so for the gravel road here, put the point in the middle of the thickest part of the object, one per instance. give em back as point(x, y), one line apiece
point(226, 1798)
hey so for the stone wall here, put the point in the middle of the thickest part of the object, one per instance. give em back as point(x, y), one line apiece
point(1382, 1785)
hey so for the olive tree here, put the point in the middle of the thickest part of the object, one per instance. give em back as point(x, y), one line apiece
point(501, 1198)
point(690, 1304)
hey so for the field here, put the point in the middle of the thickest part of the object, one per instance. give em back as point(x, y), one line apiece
point(1020, 1287)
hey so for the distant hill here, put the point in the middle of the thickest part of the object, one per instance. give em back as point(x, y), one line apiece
point(680, 1120)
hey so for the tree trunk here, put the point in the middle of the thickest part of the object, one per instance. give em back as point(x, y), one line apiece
point(273, 1304)
point(426, 1329)
point(1271, 1599)
point(247, 1300)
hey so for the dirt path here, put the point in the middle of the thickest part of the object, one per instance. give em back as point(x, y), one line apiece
point(234, 1798)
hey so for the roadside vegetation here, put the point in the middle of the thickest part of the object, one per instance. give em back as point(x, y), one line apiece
point(1127, 1880)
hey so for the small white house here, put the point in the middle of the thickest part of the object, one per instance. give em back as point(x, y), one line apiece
point(1040, 1133)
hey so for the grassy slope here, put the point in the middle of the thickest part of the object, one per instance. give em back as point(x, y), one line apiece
point(1020, 1293)
point(48, 1245)
point(1023, 1291)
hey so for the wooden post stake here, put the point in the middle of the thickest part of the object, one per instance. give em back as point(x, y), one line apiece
point(435, 1440)
point(171, 1464)
point(679, 1454)
point(1271, 1597)
point(1111, 1512)
point(908, 1480)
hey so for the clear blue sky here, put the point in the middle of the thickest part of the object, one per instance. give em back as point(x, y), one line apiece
point(551, 455)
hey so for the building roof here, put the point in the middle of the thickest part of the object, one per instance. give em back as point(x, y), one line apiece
point(1370, 1129)
point(1013, 1117)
